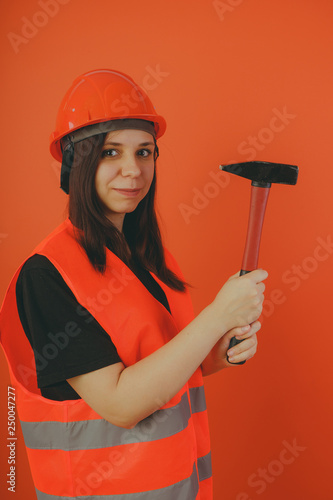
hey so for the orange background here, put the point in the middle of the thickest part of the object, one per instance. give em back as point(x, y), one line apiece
point(219, 72)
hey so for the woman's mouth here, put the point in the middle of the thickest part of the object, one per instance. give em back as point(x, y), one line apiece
point(131, 193)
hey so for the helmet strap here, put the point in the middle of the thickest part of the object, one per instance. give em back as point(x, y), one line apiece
point(67, 162)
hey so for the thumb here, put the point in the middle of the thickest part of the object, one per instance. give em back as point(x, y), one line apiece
point(258, 275)
point(236, 275)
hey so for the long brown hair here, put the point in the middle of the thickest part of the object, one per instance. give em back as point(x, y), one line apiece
point(141, 233)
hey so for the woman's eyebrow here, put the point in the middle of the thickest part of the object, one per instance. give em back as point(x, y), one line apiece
point(111, 143)
point(147, 144)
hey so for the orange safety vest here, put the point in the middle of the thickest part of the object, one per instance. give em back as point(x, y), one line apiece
point(72, 451)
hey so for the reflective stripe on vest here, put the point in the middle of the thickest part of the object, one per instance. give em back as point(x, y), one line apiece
point(204, 467)
point(197, 398)
point(184, 490)
point(94, 434)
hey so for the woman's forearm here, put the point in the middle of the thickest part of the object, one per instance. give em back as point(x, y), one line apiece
point(148, 384)
point(126, 395)
point(212, 364)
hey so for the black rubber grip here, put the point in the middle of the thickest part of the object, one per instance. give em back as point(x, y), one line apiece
point(235, 341)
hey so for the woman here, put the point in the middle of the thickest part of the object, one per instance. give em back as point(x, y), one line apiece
point(98, 327)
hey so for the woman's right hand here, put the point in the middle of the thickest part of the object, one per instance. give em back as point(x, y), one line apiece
point(239, 302)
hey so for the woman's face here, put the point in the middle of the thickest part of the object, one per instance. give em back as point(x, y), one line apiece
point(125, 172)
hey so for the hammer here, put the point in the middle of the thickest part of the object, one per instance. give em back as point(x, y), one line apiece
point(262, 174)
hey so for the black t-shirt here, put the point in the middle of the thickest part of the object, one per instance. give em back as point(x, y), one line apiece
point(67, 340)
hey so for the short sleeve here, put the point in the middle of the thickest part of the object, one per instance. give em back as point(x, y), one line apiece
point(67, 340)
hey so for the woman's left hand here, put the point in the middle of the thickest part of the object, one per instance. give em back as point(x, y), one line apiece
point(244, 350)
point(217, 359)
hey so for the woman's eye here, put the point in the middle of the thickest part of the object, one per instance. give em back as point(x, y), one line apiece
point(109, 152)
point(145, 152)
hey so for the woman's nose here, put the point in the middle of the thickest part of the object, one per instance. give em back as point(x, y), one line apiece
point(130, 167)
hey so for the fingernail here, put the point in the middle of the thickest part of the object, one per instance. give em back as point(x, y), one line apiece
point(230, 353)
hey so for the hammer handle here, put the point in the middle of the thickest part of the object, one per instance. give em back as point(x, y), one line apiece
point(259, 197)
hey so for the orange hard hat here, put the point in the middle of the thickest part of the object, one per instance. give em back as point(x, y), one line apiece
point(100, 96)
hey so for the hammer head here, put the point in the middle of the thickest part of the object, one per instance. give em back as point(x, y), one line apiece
point(264, 173)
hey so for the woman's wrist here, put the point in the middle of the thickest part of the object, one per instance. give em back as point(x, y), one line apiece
point(215, 327)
